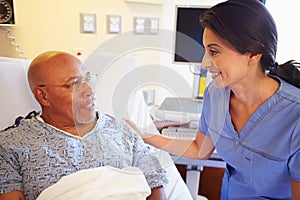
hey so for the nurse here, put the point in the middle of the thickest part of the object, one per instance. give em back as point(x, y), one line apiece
point(251, 111)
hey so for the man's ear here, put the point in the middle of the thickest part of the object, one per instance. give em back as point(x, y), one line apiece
point(41, 96)
point(254, 59)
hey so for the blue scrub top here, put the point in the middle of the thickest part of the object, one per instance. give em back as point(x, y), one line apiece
point(265, 156)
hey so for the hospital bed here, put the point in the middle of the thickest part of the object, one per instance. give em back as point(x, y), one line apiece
point(17, 100)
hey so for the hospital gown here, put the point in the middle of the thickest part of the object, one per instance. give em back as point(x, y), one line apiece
point(35, 155)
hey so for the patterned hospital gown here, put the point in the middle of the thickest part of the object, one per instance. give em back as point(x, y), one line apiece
point(34, 155)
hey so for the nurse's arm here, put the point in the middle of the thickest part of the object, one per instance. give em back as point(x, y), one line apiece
point(295, 190)
point(200, 148)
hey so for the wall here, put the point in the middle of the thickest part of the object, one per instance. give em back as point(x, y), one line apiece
point(55, 24)
point(286, 17)
point(43, 25)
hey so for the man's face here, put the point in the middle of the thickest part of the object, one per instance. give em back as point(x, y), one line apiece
point(71, 96)
point(83, 99)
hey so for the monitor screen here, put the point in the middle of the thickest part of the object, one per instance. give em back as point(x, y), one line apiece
point(188, 47)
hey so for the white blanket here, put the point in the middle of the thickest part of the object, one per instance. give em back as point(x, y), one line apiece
point(100, 183)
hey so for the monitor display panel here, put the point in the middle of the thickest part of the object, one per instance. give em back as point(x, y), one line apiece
point(188, 46)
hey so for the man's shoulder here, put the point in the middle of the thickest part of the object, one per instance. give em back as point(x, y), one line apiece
point(115, 124)
point(18, 120)
point(109, 119)
point(11, 137)
point(22, 126)
point(105, 116)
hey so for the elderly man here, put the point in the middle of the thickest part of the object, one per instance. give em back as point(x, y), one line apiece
point(68, 135)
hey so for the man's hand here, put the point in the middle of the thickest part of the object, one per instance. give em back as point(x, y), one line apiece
point(14, 195)
point(157, 194)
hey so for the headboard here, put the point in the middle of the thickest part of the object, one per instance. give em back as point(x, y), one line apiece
point(16, 97)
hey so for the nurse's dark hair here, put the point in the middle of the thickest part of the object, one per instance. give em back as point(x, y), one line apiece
point(248, 27)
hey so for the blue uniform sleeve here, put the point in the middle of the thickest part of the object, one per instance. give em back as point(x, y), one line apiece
point(294, 161)
point(215, 106)
point(205, 111)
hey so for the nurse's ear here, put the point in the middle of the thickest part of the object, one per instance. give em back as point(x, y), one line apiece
point(254, 59)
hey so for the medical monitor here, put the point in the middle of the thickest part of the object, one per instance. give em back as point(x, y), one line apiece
point(188, 46)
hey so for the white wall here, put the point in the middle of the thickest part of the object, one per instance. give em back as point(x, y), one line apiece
point(286, 16)
point(43, 25)
point(54, 24)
